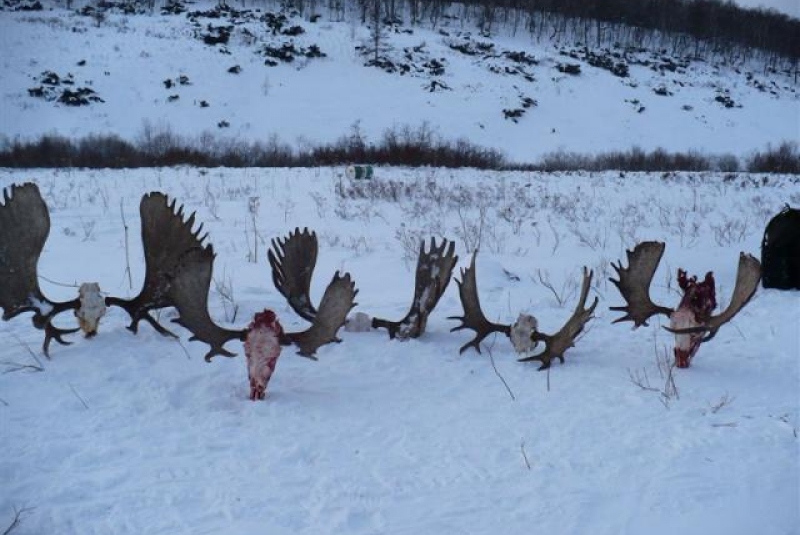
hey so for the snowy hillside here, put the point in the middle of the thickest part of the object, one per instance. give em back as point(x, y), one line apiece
point(247, 74)
point(132, 434)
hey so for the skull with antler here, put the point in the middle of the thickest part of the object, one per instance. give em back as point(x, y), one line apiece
point(292, 261)
point(524, 333)
point(692, 321)
point(24, 228)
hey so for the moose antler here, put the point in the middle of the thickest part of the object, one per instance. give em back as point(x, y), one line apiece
point(189, 289)
point(692, 318)
point(473, 317)
point(166, 236)
point(337, 301)
point(24, 228)
point(523, 333)
point(748, 274)
point(293, 260)
point(434, 269)
point(556, 345)
point(634, 283)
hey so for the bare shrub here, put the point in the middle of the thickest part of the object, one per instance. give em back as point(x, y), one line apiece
point(783, 159)
point(667, 390)
point(224, 288)
point(470, 229)
point(722, 402)
point(562, 294)
point(410, 240)
point(320, 203)
point(634, 159)
point(729, 231)
point(19, 513)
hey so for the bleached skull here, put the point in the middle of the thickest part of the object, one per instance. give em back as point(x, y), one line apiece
point(93, 307)
point(521, 333)
point(358, 323)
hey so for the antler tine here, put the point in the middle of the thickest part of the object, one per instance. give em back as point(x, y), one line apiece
point(556, 345)
point(51, 332)
point(748, 274)
point(634, 283)
point(293, 260)
point(337, 301)
point(473, 317)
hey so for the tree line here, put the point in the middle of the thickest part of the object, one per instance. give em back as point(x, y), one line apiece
point(697, 28)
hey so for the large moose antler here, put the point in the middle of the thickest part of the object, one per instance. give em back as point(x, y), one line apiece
point(473, 317)
point(634, 283)
point(293, 260)
point(189, 291)
point(692, 319)
point(523, 333)
point(166, 236)
point(434, 270)
point(557, 344)
point(24, 228)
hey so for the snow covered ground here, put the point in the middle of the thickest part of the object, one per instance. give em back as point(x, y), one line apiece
point(132, 434)
point(128, 61)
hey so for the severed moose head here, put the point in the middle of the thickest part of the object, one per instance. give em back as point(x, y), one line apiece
point(692, 321)
point(293, 260)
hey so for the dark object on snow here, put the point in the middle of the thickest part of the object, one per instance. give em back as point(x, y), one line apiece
point(167, 235)
point(434, 271)
point(82, 96)
point(569, 68)
point(24, 228)
point(780, 251)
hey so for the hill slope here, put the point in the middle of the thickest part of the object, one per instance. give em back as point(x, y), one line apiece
point(207, 72)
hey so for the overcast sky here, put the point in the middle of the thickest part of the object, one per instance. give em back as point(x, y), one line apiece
point(792, 7)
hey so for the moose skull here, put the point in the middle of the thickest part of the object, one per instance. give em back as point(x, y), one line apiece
point(521, 332)
point(93, 307)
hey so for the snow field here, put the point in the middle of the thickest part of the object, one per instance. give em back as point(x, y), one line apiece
point(137, 434)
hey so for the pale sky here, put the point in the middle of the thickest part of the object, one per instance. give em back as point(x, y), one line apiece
point(791, 7)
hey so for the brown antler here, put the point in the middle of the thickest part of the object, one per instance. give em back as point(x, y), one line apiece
point(24, 227)
point(473, 317)
point(434, 270)
point(337, 301)
point(634, 283)
point(166, 237)
point(748, 274)
point(556, 345)
point(293, 260)
point(188, 291)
